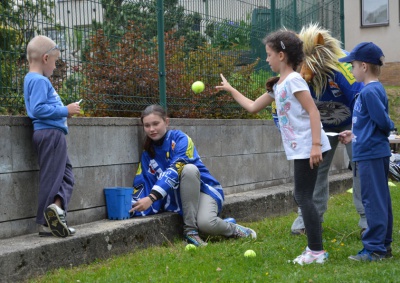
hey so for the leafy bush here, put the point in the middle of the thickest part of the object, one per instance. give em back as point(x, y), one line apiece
point(119, 80)
point(118, 14)
point(8, 39)
point(20, 15)
point(229, 34)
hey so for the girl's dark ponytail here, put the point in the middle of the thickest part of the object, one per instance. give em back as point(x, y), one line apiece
point(270, 83)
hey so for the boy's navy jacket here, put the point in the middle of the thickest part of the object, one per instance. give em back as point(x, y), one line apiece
point(162, 174)
point(43, 104)
point(371, 123)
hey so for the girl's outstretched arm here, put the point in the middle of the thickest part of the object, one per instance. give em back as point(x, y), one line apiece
point(248, 104)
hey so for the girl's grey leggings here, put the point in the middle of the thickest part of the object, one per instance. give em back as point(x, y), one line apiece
point(200, 211)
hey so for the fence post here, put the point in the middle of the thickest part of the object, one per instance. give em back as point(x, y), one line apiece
point(342, 22)
point(161, 53)
point(295, 16)
point(273, 17)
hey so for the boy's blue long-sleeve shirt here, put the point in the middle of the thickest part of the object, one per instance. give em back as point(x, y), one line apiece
point(162, 173)
point(371, 123)
point(43, 104)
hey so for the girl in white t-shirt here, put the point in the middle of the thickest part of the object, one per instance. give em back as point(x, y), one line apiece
point(299, 121)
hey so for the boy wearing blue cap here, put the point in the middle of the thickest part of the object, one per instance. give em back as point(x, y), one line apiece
point(371, 127)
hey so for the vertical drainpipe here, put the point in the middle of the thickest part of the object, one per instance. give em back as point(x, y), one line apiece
point(161, 54)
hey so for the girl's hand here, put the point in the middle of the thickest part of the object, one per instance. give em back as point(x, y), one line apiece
point(315, 156)
point(141, 205)
point(224, 84)
point(345, 137)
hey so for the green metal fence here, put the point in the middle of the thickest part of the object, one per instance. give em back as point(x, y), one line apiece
point(110, 50)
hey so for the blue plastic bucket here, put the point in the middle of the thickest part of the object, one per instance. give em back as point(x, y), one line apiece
point(118, 202)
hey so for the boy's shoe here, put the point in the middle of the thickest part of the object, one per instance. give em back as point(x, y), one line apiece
point(309, 256)
point(366, 255)
point(244, 232)
point(388, 254)
point(194, 238)
point(45, 231)
point(55, 218)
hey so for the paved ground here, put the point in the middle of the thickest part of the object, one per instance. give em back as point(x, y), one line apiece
point(29, 255)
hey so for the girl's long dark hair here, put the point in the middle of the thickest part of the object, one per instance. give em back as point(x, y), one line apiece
point(288, 42)
point(156, 110)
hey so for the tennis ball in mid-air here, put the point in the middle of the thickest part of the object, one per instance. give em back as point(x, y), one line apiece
point(190, 247)
point(198, 87)
point(250, 253)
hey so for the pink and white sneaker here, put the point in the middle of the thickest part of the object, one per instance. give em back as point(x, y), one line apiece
point(309, 256)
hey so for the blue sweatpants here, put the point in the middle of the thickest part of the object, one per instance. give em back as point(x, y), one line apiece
point(55, 176)
point(376, 199)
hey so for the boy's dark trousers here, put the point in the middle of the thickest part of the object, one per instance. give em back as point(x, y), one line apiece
point(56, 177)
point(377, 203)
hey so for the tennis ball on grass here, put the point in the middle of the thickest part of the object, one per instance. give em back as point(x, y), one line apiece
point(190, 247)
point(198, 87)
point(250, 253)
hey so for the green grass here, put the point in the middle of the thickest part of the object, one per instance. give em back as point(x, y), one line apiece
point(393, 93)
point(223, 261)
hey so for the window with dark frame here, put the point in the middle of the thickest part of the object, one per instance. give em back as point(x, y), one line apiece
point(374, 13)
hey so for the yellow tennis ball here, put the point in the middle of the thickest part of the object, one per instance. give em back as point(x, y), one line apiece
point(190, 247)
point(198, 87)
point(250, 253)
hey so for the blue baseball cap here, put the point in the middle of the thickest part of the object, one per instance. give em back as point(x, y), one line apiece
point(366, 52)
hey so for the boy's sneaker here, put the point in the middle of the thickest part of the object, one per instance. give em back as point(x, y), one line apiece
point(55, 218)
point(194, 238)
point(45, 231)
point(244, 232)
point(309, 256)
point(366, 255)
point(388, 254)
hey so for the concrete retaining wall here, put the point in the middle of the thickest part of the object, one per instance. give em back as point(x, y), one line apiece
point(243, 155)
point(28, 256)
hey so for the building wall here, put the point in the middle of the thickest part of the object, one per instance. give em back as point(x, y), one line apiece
point(390, 74)
point(386, 37)
point(244, 155)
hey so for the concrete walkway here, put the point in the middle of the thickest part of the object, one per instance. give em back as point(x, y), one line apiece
point(29, 255)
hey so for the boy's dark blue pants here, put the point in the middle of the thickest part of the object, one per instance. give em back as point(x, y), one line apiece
point(56, 177)
point(377, 203)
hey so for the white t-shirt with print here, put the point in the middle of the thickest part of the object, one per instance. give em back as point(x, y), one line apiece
point(294, 120)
